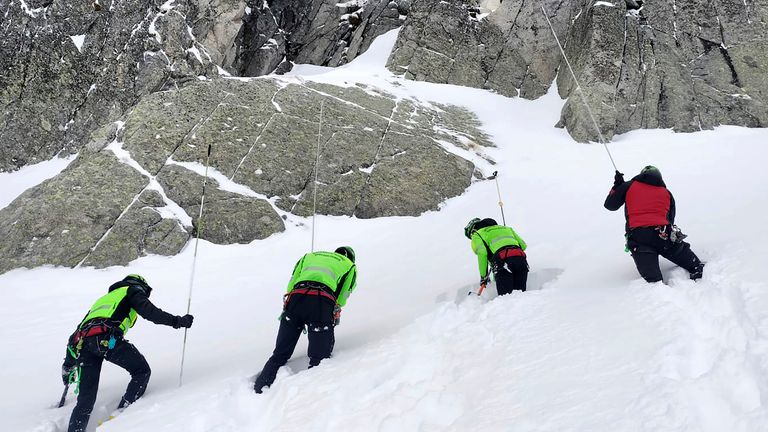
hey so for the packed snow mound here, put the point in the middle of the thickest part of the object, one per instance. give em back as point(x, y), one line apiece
point(711, 375)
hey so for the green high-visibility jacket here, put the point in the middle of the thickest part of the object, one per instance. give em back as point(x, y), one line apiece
point(489, 240)
point(120, 308)
point(107, 306)
point(331, 269)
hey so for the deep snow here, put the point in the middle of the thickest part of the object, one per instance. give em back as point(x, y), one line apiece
point(596, 349)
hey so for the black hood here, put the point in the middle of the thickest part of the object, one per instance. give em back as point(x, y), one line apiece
point(146, 289)
point(652, 178)
point(117, 285)
point(485, 223)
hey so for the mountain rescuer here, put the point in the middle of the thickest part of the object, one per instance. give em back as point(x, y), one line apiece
point(319, 288)
point(501, 247)
point(651, 231)
point(100, 336)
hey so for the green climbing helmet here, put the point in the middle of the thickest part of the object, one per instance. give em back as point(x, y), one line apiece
point(652, 170)
point(347, 251)
point(470, 227)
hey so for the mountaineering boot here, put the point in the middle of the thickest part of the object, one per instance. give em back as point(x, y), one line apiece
point(697, 272)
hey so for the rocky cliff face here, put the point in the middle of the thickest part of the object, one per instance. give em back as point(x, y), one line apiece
point(686, 65)
point(509, 50)
point(66, 69)
point(69, 67)
point(329, 33)
point(683, 64)
point(136, 87)
point(136, 187)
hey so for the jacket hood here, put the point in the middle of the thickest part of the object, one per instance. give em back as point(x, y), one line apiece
point(652, 178)
point(146, 289)
point(485, 223)
point(117, 285)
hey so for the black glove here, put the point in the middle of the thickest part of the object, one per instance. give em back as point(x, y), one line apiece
point(618, 178)
point(183, 321)
point(336, 315)
point(485, 281)
point(67, 373)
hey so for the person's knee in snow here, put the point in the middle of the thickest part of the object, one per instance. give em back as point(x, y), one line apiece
point(498, 247)
point(650, 220)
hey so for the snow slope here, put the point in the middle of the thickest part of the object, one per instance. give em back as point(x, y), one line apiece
point(14, 184)
point(594, 349)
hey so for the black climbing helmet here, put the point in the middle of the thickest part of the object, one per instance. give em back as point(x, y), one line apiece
point(347, 251)
point(139, 280)
point(470, 228)
point(651, 170)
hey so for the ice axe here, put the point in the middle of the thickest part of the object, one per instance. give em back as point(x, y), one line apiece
point(479, 291)
point(482, 288)
point(64, 395)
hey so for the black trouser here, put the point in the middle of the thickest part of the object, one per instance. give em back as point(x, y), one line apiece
point(511, 274)
point(93, 353)
point(314, 312)
point(646, 246)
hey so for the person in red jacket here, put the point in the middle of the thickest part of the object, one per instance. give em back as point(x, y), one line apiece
point(649, 208)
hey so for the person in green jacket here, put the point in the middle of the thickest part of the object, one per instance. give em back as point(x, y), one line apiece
point(318, 289)
point(503, 249)
point(101, 336)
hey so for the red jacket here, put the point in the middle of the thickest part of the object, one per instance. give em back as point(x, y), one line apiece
point(646, 199)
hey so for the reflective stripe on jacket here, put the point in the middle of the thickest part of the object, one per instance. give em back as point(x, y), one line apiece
point(109, 305)
point(489, 240)
point(331, 269)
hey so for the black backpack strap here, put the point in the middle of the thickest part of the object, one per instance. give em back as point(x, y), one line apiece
point(341, 281)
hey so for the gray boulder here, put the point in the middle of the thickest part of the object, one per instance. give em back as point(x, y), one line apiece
point(227, 217)
point(380, 156)
point(62, 219)
point(141, 231)
point(264, 135)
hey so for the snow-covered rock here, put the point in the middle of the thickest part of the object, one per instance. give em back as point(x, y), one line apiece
point(685, 65)
point(54, 53)
point(380, 155)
